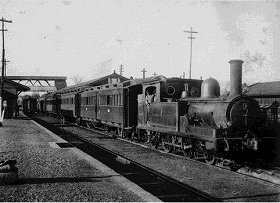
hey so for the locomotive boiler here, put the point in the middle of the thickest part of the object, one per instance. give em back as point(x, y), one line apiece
point(235, 118)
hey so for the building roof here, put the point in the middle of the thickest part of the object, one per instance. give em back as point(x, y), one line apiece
point(264, 89)
point(18, 87)
point(136, 81)
point(36, 77)
point(95, 82)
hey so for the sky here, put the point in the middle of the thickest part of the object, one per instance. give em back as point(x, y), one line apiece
point(91, 38)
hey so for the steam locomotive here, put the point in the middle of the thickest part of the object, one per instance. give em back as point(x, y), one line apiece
point(177, 114)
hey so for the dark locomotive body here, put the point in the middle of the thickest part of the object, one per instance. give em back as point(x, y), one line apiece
point(162, 110)
point(206, 126)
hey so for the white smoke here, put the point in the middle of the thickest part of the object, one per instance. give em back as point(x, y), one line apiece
point(103, 68)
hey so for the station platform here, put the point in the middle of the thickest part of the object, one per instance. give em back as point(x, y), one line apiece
point(49, 173)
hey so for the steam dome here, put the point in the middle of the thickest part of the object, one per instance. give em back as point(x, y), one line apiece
point(210, 88)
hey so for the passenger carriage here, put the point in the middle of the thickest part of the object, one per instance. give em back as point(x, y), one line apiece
point(111, 108)
point(29, 103)
point(70, 105)
point(88, 106)
point(53, 103)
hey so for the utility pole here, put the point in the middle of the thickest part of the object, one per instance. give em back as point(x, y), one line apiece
point(121, 69)
point(143, 71)
point(3, 67)
point(191, 37)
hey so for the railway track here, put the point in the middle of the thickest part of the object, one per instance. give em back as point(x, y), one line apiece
point(163, 187)
point(271, 174)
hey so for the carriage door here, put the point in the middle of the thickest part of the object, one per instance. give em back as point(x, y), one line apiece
point(77, 105)
point(125, 107)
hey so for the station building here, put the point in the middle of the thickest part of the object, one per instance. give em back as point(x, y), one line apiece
point(10, 94)
point(268, 96)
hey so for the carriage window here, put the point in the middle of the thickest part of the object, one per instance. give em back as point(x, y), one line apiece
point(111, 100)
point(103, 100)
point(121, 100)
point(108, 100)
point(116, 102)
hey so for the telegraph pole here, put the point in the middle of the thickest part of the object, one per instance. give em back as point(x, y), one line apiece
point(3, 68)
point(121, 69)
point(143, 71)
point(191, 37)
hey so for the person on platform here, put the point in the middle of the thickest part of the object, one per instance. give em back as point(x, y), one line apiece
point(274, 110)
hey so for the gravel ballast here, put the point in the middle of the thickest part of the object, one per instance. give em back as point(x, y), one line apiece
point(52, 174)
point(220, 183)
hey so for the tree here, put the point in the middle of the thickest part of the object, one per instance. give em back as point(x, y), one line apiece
point(76, 79)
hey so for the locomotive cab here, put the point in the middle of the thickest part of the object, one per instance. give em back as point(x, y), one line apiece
point(158, 105)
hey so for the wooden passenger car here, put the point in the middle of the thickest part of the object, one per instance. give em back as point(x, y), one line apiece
point(70, 105)
point(52, 103)
point(110, 108)
point(29, 104)
point(88, 109)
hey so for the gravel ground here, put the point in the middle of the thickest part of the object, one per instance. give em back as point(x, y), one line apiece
point(220, 183)
point(52, 174)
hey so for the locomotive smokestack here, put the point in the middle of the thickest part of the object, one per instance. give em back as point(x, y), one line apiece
point(235, 77)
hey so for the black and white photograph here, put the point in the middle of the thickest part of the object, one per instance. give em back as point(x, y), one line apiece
point(140, 101)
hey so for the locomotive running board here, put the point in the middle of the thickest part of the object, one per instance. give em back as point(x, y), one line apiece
point(210, 137)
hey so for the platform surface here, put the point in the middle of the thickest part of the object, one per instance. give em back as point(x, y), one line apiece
point(50, 173)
